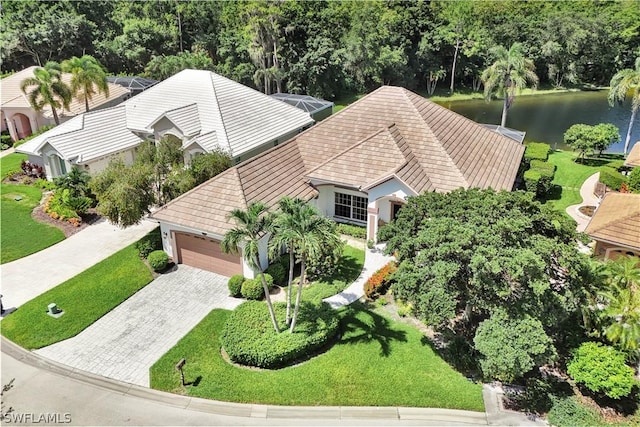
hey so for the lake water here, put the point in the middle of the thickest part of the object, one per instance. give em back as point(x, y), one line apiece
point(545, 118)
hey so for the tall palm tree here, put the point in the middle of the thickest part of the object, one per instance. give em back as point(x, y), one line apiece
point(311, 232)
point(251, 225)
point(284, 235)
point(87, 75)
point(511, 71)
point(47, 88)
point(621, 83)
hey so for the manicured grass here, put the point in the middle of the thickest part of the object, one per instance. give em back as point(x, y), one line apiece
point(84, 299)
point(11, 163)
point(376, 362)
point(348, 270)
point(20, 234)
point(570, 176)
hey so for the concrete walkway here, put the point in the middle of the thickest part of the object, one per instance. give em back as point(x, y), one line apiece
point(125, 342)
point(588, 199)
point(374, 260)
point(28, 277)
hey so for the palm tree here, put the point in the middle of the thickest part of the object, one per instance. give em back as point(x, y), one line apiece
point(284, 236)
point(251, 225)
point(309, 233)
point(87, 75)
point(47, 88)
point(621, 83)
point(510, 72)
point(622, 304)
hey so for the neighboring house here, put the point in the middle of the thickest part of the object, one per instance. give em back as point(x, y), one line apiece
point(357, 166)
point(202, 109)
point(633, 158)
point(319, 109)
point(22, 120)
point(615, 226)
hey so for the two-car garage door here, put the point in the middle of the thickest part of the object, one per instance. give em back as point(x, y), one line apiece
point(205, 253)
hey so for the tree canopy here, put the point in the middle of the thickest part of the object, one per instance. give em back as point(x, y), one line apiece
point(473, 254)
point(325, 48)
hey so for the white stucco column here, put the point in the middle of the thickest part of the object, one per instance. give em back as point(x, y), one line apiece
point(372, 223)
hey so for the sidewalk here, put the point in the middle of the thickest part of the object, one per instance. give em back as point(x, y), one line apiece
point(7, 152)
point(588, 199)
point(26, 278)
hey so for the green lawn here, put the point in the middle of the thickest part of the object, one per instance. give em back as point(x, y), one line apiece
point(347, 272)
point(376, 362)
point(11, 163)
point(570, 176)
point(84, 299)
point(20, 234)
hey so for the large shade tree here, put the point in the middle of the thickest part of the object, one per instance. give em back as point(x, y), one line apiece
point(46, 88)
point(623, 82)
point(510, 72)
point(251, 226)
point(88, 77)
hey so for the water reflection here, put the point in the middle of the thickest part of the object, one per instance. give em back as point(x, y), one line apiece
point(545, 118)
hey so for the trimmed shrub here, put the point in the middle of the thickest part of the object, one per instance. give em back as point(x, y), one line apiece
point(249, 338)
point(602, 369)
point(536, 151)
point(279, 274)
point(379, 283)
point(611, 178)
point(538, 181)
point(252, 289)
point(158, 260)
point(352, 230)
point(5, 139)
point(43, 184)
point(235, 285)
point(149, 243)
point(634, 180)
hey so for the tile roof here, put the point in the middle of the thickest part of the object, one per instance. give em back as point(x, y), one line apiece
point(390, 132)
point(633, 158)
point(617, 220)
point(209, 109)
point(83, 138)
point(242, 118)
point(13, 97)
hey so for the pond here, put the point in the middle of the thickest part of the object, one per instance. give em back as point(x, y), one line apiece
point(545, 118)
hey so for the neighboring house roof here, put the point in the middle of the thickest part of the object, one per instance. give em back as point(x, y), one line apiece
point(208, 109)
point(617, 220)
point(390, 132)
point(633, 158)
point(13, 97)
point(304, 102)
point(83, 138)
point(241, 117)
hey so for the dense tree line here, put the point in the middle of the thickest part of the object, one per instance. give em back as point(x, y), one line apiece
point(326, 47)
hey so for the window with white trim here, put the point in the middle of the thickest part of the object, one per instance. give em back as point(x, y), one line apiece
point(350, 207)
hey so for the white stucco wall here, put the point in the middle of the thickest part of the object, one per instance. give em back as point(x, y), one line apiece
point(384, 193)
point(98, 165)
point(326, 198)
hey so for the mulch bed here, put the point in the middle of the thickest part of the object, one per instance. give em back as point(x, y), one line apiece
point(91, 217)
point(587, 210)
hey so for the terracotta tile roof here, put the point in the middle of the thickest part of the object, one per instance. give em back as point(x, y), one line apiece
point(633, 158)
point(390, 132)
point(617, 220)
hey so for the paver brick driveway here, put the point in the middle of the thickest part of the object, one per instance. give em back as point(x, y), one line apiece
point(124, 343)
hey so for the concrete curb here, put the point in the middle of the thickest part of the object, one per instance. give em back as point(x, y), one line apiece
point(254, 411)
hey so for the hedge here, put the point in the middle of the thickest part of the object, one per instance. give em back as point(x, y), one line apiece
point(611, 178)
point(250, 339)
point(352, 230)
point(536, 151)
point(538, 179)
point(380, 281)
